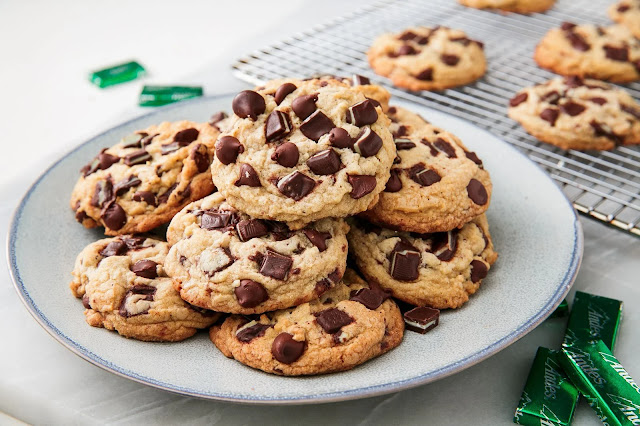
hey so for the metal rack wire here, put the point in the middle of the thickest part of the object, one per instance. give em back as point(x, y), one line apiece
point(603, 185)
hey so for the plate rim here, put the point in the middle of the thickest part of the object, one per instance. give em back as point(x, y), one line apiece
point(362, 392)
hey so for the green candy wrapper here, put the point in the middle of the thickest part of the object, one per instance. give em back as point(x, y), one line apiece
point(163, 95)
point(548, 397)
point(593, 318)
point(599, 376)
point(117, 74)
point(561, 311)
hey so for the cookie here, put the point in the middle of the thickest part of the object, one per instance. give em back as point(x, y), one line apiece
point(124, 288)
point(421, 58)
point(146, 178)
point(518, 6)
point(224, 260)
point(604, 53)
point(349, 325)
point(436, 184)
point(573, 113)
point(439, 270)
point(299, 151)
point(627, 12)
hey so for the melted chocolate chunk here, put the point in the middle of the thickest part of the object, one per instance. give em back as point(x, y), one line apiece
point(286, 155)
point(285, 349)
point(317, 238)
point(598, 100)
point(451, 60)
point(477, 192)
point(275, 265)
point(421, 319)
point(406, 50)
point(103, 193)
point(247, 334)
point(473, 157)
point(316, 125)
point(333, 319)
point(445, 147)
point(305, 105)
point(140, 293)
point(250, 293)
point(85, 301)
point(135, 242)
point(252, 228)
point(620, 54)
point(279, 230)
point(325, 162)
point(362, 113)
point(572, 108)
point(186, 136)
point(227, 149)
point(114, 248)
point(479, 270)
point(296, 185)
point(102, 162)
point(425, 75)
point(577, 41)
point(394, 184)
point(550, 115)
point(361, 185)
point(277, 126)
point(573, 81)
point(200, 156)
point(145, 269)
point(623, 8)
point(113, 216)
point(407, 35)
point(340, 138)
point(603, 130)
point(248, 104)
point(283, 91)
point(124, 185)
point(146, 196)
point(368, 143)
point(432, 150)
point(551, 97)
point(248, 176)
point(518, 99)
point(423, 176)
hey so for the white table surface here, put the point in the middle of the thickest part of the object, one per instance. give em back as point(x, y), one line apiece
point(47, 107)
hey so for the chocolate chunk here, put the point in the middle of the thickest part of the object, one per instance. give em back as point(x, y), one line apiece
point(283, 91)
point(445, 245)
point(125, 184)
point(623, 8)
point(518, 99)
point(362, 113)
point(85, 301)
point(567, 26)
point(103, 193)
point(423, 176)
point(573, 81)
point(227, 149)
point(164, 197)
point(102, 162)
point(631, 110)
point(425, 75)
point(248, 104)
point(451, 60)
point(477, 192)
point(335, 276)
point(145, 269)
point(113, 216)
point(146, 196)
point(137, 157)
point(340, 138)
point(599, 101)
point(550, 115)
point(296, 185)
point(394, 184)
point(405, 261)
point(286, 155)
point(285, 349)
point(136, 300)
point(432, 150)
point(359, 80)
point(250, 293)
point(370, 298)
point(114, 248)
point(133, 140)
point(445, 147)
point(461, 39)
point(401, 131)
point(421, 319)
point(277, 126)
point(603, 130)
point(247, 334)
point(305, 105)
point(279, 230)
point(333, 319)
point(478, 270)
point(620, 54)
point(316, 125)
point(325, 162)
point(473, 157)
point(252, 228)
point(406, 49)
point(135, 242)
point(215, 220)
point(407, 35)
point(317, 238)
point(572, 108)
point(577, 41)
point(322, 286)
point(368, 143)
point(216, 118)
point(404, 144)
point(81, 216)
point(248, 176)
point(169, 148)
point(200, 156)
point(361, 185)
point(551, 97)
point(186, 136)
point(275, 265)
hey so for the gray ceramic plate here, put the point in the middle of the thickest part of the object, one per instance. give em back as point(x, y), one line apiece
point(534, 228)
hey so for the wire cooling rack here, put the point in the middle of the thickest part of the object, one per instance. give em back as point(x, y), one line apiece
point(603, 185)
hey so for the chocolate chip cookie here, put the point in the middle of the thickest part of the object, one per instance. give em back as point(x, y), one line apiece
point(421, 58)
point(573, 113)
point(605, 53)
point(349, 325)
point(627, 12)
point(146, 178)
point(302, 150)
point(518, 6)
point(440, 270)
point(227, 261)
point(436, 184)
point(123, 287)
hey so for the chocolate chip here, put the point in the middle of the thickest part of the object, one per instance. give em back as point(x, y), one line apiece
point(551, 97)
point(113, 216)
point(423, 176)
point(631, 110)
point(114, 248)
point(169, 148)
point(252, 228)
point(359, 80)
point(250, 293)
point(200, 156)
point(518, 99)
point(623, 8)
point(227, 149)
point(216, 118)
point(283, 91)
point(316, 125)
point(478, 270)
point(577, 41)
point(370, 298)
point(325, 162)
point(340, 138)
point(425, 75)
point(407, 35)
point(317, 238)
point(335, 276)
point(164, 197)
point(248, 104)
point(286, 155)
point(146, 196)
point(101, 162)
point(572, 108)
point(333, 319)
point(473, 157)
point(135, 242)
point(361, 185)
point(135, 301)
point(133, 140)
point(567, 26)
point(214, 220)
point(81, 216)
point(451, 60)
point(421, 319)
point(445, 147)
point(103, 193)
point(401, 131)
point(279, 230)
point(125, 184)
point(275, 265)
point(145, 269)
point(432, 150)
point(394, 184)
point(186, 136)
point(137, 157)
point(362, 113)
point(599, 101)
point(285, 349)
point(620, 54)
point(550, 115)
point(277, 126)
point(247, 334)
point(85, 301)
point(602, 129)
point(404, 144)
point(406, 49)
point(303, 106)
point(296, 185)
point(248, 176)
point(477, 192)
point(445, 245)
point(405, 261)
point(573, 81)
point(368, 143)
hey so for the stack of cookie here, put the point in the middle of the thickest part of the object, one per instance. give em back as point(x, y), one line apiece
point(306, 171)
